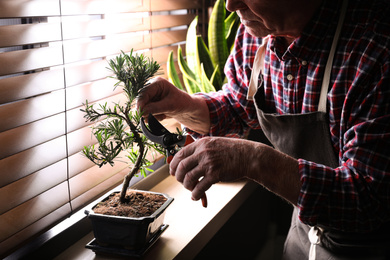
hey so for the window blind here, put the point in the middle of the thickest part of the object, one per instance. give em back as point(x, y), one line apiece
point(53, 56)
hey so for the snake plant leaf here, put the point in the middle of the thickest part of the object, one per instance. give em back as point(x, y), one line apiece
point(228, 22)
point(216, 35)
point(192, 50)
point(204, 57)
point(216, 79)
point(192, 86)
point(232, 23)
point(171, 71)
point(207, 86)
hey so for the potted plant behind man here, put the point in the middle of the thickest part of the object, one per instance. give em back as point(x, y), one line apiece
point(202, 68)
point(128, 221)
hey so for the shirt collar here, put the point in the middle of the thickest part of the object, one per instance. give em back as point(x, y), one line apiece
point(318, 34)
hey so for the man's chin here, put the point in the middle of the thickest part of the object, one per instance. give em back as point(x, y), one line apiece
point(255, 32)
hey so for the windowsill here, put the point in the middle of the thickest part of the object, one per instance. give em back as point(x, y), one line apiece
point(190, 225)
point(67, 240)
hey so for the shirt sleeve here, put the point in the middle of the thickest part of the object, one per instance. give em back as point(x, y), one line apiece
point(231, 114)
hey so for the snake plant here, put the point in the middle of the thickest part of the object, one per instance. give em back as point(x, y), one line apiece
point(202, 69)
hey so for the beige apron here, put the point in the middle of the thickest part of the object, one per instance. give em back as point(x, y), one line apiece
point(304, 136)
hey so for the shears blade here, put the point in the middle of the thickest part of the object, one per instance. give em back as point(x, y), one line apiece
point(155, 131)
point(156, 127)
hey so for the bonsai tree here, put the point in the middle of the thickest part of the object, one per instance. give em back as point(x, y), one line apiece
point(117, 127)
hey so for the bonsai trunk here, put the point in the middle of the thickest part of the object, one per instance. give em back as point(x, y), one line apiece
point(137, 165)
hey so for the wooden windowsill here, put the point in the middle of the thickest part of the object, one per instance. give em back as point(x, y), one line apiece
point(190, 225)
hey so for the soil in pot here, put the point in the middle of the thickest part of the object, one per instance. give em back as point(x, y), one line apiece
point(138, 204)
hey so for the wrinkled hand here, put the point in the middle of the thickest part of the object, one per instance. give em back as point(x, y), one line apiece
point(164, 100)
point(210, 160)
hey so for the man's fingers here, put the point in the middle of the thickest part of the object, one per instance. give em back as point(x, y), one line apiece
point(204, 201)
point(181, 162)
point(150, 95)
point(200, 188)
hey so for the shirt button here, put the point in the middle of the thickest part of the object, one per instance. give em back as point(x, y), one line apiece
point(304, 63)
point(290, 77)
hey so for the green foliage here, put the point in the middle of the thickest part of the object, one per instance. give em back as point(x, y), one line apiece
point(117, 128)
point(203, 68)
point(216, 36)
point(133, 71)
point(172, 74)
point(189, 77)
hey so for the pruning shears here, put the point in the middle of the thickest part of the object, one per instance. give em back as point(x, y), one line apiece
point(171, 142)
point(157, 133)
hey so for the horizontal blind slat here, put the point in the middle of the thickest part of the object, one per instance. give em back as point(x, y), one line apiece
point(77, 95)
point(23, 34)
point(166, 38)
point(22, 216)
point(29, 8)
point(169, 21)
point(29, 110)
point(30, 231)
point(122, 23)
point(75, 51)
point(27, 60)
point(79, 74)
point(78, 163)
point(161, 54)
point(30, 135)
point(36, 158)
point(80, 138)
point(29, 85)
point(32, 185)
point(102, 27)
point(167, 5)
point(76, 7)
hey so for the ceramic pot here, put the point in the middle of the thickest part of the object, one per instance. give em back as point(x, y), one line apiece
point(127, 232)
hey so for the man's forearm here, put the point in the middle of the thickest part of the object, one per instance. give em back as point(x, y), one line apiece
point(276, 171)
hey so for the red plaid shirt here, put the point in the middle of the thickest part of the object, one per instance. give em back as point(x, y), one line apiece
point(355, 196)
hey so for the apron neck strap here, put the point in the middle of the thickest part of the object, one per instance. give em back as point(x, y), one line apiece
point(329, 63)
point(257, 68)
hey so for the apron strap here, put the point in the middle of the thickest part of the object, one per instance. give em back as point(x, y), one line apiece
point(329, 63)
point(257, 68)
point(314, 238)
point(314, 233)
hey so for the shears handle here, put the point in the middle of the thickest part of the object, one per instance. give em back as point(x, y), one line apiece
point(189, 140)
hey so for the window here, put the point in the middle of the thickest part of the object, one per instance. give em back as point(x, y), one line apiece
point(53, 56)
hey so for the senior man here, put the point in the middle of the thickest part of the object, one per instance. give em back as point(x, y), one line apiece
point(315, 77)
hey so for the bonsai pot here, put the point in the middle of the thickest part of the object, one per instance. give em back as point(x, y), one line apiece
point(132, 233)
